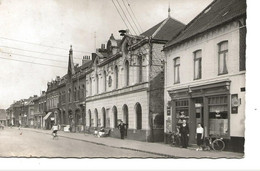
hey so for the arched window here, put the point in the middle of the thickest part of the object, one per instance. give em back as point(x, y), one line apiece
point(97, 83)
point(69, 94)
point(89, 117)
point(125, 115)
point(75, 94)
point(90, 86)
point(138, 111)
point(105, 81)
point(140, 69)
point(127, 73)
point(115, 116)
point(116, 77)
point(96, 118)
point(103, 117)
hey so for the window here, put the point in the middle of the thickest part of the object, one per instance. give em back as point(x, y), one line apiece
point(218, 116)
point(222, 58)
point(197, 64)
point(90, 86)
point(116, 77)
point(75, 94)
point(69, 94)
point(105, 81)
point(140, 73)
point(97, 83)
point(176, 70)
point(138, 110)
point(127, 73)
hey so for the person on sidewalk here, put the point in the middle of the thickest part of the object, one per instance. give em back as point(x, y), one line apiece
point(199, 136)
point(184, 133)
point(121, 128)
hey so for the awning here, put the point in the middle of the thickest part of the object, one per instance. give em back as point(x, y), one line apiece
point(47, 116)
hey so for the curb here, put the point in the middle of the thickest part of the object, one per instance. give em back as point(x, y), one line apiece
point(125, 148)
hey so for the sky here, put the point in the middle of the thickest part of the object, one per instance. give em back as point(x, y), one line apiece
point(49, 28)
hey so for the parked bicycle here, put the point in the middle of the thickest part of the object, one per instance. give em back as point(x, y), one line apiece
point(217, 144)
point(174, 139)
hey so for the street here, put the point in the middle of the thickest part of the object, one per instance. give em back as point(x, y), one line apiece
point(24, 143)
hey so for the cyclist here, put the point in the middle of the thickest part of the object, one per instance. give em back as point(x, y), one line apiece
point(54, 131)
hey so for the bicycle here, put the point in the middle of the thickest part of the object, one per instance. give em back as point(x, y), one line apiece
point(217, 144)
point(55, 134)
point(174, 139)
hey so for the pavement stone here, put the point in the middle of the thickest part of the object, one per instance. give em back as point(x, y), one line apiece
point(153, 148)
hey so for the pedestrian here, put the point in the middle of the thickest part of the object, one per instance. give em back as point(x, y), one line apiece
point(199, 136)
point(121, 128)
point(184, 133)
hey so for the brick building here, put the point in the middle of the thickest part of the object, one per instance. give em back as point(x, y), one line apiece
point(126, 83)
point(205, 73)
point(65, 97)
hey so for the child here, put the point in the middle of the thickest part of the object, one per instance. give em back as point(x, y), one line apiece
point(199, 136)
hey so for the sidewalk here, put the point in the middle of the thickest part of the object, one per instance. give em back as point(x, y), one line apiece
point(152, 148)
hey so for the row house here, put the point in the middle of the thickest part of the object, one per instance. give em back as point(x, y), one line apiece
point(205, 74)
point(126, 83)
point(65, 97)
point(40, 110)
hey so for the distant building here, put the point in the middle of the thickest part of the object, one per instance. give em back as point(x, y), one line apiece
point(3, 117)
point(205, 74)
point(40, 110)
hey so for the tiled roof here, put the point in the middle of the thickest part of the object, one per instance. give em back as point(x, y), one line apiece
point(165, 30)
point(217, 13)
point(2, 114)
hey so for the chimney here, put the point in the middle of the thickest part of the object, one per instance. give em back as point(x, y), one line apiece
point(43, 92)
point(58, 78)
point(102, 46)
point(93, 56)
point(85, 59)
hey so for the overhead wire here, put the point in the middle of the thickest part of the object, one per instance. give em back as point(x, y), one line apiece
point(35, 63)
point(126, 17)
point(131, 17)
point(34, 57)
point(21, 41)
point(120, 14)
point(134, 15)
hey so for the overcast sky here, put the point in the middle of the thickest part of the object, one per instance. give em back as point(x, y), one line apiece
point(61, 23)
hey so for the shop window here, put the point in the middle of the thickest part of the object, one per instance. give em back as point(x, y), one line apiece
point(197, 64)
point(182, 111)
point(222, 57)
point(176, 67)
point(218, 116)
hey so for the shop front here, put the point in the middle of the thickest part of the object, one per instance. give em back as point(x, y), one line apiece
point(207, 104)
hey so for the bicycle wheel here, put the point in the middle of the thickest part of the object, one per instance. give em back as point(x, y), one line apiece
point(218, 145)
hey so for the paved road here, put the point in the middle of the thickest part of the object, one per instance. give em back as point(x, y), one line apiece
point(24, 143)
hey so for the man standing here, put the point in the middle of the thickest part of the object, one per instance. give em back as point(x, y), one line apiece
point(184, 132)
point(121, 128)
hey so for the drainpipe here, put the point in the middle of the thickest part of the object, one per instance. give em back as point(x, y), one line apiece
point(149, 87)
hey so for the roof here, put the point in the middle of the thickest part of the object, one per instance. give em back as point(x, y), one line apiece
point(165, 30)
point(215, 14)
point(2, 114)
